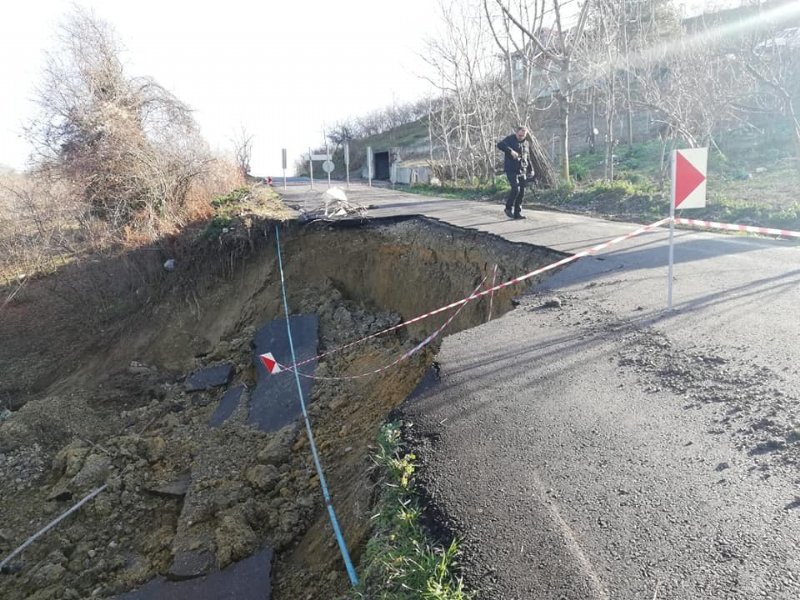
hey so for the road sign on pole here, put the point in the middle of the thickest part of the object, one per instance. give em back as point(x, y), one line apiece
point(311, 167)
point(283, 162)
point(689, 177)
point(689, 168)
point(328, 166)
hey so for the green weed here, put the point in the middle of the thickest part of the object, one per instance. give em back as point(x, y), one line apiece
point(399, 562)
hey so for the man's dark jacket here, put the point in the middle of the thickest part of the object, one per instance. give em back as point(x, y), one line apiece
point(511, 165)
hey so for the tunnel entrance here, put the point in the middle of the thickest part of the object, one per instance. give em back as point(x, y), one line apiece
point(382, 166)
point(193, 487)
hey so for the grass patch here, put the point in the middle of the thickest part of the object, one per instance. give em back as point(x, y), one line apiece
point(233, 212)
point(752, 182)
point(476, 191)
point(399, 562)
point(232, 198)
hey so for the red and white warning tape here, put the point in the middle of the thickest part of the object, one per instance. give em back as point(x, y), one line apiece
point(742, 228)
point(400, 359)
point(460, 303)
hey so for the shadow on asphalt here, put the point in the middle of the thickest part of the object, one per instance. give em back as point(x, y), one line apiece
point(516, 357)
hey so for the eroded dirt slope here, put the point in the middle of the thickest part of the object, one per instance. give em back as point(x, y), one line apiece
point(120, 416)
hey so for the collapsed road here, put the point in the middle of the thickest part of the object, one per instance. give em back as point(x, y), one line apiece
point(592, 444)
point(589, 444)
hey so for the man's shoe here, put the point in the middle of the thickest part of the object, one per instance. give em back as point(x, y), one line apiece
point(509, 214)
point(518, 216)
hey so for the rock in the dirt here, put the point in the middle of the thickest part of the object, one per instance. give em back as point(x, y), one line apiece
point(93, 473)
point(69, 460)
point(263, 477)
point(235, 540)
point(343, 319)
point(137, 368)
point(278, 450)
point(48, 574)
point(154, 449)
point(209, 378)
point(174, 489)
point(200, 346)
point(288, 520)
point(59, 492)
point(552, 303)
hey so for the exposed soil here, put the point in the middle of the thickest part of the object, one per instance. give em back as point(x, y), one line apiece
point(93, 401)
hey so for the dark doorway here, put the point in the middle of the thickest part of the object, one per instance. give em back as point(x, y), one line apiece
point(382, 170)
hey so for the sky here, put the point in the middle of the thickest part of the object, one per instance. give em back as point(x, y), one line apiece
point(282, 69)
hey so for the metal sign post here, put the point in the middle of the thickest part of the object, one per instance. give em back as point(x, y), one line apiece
point(328, 167)
point(347, 162)
point(328, 171)
point(311, 167)
point(369, 165)
point(671, 240)
point(283, 160)
point(689, 168)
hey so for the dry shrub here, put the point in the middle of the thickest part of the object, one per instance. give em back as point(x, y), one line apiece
point(39, 226)
point(119, 163)
point(221, 177)
point(126, 146)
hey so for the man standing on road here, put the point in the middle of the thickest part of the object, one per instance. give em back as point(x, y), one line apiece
point(518, 169)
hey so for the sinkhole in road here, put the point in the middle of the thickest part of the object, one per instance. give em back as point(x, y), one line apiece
point(195, 484)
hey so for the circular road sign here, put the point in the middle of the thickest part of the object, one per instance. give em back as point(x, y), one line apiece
point(328, 166)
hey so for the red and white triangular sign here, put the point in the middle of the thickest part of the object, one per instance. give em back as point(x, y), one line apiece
point(689, 178)
point(270, 363)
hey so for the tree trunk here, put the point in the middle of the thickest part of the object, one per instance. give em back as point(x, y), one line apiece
point(629, 107)
point(543, 169)
point(796, 126)
point(564, 106)
point(593, 123)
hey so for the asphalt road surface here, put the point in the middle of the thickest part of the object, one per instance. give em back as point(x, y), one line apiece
point(592, 444)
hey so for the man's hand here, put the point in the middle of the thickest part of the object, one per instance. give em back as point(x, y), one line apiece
point(515, 154)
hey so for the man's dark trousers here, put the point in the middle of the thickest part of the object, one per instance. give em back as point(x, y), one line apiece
point(514, 200)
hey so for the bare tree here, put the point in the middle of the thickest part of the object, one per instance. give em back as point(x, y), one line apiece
point(342, 132)
point(521, 86)
point(552, 53)
point(770, 59)
point(690, 85)
point(243, 150)
point(466, 120)
point(126, 145)
point(474, 108)
point(601, 65)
